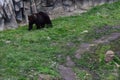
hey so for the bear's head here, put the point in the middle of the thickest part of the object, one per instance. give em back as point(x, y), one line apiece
point(32, 18)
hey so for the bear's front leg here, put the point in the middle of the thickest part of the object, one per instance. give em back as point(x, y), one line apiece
point(30, 26)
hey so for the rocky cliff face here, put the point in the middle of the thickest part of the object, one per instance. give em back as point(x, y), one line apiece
point(67, 7)
point(13, 12)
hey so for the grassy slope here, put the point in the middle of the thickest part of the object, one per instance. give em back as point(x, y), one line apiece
point(25, 54)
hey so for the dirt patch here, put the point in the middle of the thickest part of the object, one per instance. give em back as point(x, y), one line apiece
point(66, 73)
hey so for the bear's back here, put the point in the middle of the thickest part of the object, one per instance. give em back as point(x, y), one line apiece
point(46, 17)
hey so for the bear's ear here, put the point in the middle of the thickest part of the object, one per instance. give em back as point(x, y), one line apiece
point(29, 17)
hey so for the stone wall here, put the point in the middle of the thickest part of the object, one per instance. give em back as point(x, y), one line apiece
point(14, 12)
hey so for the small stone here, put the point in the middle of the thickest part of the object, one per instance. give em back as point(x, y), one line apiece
point(7, 42)
point(85, 31)
point(92, 45)
point(48, 38)
point(44, 77)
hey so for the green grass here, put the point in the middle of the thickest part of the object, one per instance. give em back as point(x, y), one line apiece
point(26, 54)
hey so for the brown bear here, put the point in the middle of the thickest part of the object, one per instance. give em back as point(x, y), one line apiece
point(40, 19)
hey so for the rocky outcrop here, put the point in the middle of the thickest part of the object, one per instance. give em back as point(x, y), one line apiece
point(13, 12)
point(7, 15)
point(67, 7)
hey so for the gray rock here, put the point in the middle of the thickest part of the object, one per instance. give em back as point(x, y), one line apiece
point(7, 16)
point(109, 55)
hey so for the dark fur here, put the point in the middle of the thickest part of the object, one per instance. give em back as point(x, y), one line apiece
point(41, 20)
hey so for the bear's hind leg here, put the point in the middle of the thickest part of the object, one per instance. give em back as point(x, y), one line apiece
point(49, 23)
point(37, 26)
point(42, 26)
